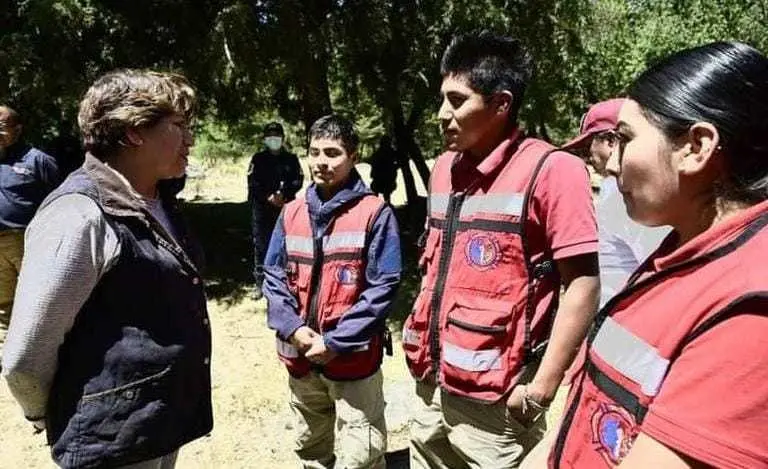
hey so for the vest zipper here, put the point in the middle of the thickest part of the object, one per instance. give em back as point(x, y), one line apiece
point(449, 230)
point(314, 283)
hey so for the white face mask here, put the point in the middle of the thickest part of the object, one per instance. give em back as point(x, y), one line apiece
point(273, 143)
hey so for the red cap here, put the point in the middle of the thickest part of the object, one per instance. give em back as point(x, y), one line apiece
point(600, 117)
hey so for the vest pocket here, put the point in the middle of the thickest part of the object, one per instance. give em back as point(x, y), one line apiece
point(489, 262)
point(116, 413)
point(297, 365)
point(357, 364)
point(476, 357)
point(416, 336)
point(342, 285)
point(427, 256)
point(298, 281)
point(127, 389)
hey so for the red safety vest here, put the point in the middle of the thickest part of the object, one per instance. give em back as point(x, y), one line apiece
point(471, 322)
point(327, 276)
point(638, 335)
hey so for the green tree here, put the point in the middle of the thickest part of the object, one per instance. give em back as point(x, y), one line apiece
point(50, 51)
point(375, 60)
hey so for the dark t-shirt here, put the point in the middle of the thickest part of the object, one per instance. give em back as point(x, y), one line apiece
point(27, 176)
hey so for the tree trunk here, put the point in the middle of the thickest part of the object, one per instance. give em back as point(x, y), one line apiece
point(315, 95)
point(543, 133)
point(413, 147)
point(309, 68)
point(401, 139)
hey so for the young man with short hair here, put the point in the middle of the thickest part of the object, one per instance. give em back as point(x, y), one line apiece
point(509, 220)
point(332, 271)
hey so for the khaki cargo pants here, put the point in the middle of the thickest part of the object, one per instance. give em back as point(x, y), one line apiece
point(11, 251)
point(451, 432)
point(355, 408)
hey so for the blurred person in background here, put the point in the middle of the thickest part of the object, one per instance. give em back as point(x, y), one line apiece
point(27, 176)
point(384, 168)
point(623, 244)
point(274, 178)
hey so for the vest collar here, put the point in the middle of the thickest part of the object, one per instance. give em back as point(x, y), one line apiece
point(116, 195)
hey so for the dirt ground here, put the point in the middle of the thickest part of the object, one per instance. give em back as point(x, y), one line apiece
point(252, 426)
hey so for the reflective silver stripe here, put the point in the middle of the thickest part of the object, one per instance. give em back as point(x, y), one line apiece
point(630, 356)
point(287, 350)
point(410, 336)
point(438, 203)
point(298, 244)
point(502, 204)
point(362, 348)
point(471, 360)
point(351, 239)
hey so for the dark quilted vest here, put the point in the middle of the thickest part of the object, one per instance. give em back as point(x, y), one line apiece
point(133, 377)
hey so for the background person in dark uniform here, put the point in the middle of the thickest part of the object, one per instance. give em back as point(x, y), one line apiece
point(27, 175)
point(384, 168)
point(274, 178)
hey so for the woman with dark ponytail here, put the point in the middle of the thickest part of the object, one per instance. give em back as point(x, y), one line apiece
point(676, 373)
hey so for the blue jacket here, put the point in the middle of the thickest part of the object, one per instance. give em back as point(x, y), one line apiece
point(382, 273)
point(27, 176)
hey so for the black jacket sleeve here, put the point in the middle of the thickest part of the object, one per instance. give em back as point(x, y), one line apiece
point(256, 174)
point(294, 178)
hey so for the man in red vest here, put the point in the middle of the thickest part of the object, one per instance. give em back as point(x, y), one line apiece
point(509, 220)
point(332, 271)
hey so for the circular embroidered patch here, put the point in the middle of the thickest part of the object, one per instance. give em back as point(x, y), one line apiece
point(613, 432)
point(347, 275)
point(482, 252)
